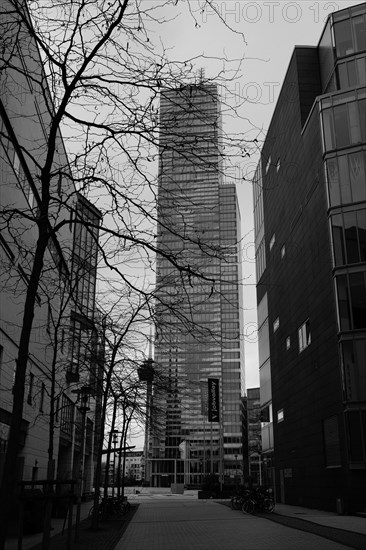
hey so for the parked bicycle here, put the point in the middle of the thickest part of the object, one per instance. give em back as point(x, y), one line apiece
point(259, 500)
point(111, 507)
point(238, 499)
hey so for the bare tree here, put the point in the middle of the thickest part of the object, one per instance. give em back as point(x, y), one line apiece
point(94, 73)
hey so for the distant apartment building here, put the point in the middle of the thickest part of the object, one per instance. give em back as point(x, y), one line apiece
point(133, 465)
point(198, 345)
point(254, 437)
point(63, 355)
point(310, 229)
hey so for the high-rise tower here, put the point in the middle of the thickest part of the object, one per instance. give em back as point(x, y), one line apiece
point(199, 323)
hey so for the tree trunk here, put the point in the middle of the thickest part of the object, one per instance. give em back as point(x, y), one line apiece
point(10, 467)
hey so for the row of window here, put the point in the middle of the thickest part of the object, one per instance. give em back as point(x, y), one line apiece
point(350, 35)
point(14, 161)
point(353, 353)
point(356, 439)
point(343, 124)
point(346, 176)
point(352, 73)
point(303, 335)
point(260, 259)
point(36, 391)
point(349, 237)
point(351, 294)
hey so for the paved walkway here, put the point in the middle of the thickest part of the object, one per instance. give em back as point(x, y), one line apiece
point(165, 521)
point(329, 519)
point(178, 522)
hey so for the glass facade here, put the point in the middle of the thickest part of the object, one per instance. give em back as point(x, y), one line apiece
point(199, 319)
point(343, 121)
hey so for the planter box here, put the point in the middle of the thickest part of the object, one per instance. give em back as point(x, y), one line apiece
point(177, 488)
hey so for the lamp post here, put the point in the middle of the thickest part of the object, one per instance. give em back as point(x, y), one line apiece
point(114, 441)
point(83, 395)
point(146, 374)
point(236, 470)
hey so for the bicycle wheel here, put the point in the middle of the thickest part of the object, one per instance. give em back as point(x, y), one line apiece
point(235, 503)
point(268, 505)
point(248, 506)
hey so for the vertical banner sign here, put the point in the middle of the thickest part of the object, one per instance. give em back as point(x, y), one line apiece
point(213, 400)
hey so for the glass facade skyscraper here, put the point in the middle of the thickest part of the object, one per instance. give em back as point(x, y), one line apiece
point(199, 318)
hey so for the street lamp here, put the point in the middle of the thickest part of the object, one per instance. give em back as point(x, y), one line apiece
point(146, 374)
point(236, 470)
point(114, 441)
point(83, 394)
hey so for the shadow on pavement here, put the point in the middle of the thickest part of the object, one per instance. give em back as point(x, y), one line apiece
point(104, 538)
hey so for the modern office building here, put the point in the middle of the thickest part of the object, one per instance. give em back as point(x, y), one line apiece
point(198, 346)
point(310, 227)
point(63, 344)
point(133, 466)
point(254, 437)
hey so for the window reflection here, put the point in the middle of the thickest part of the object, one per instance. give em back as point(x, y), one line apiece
point(350, 35)
point(354, 369)
point(343, 124)
point(343, 38)
point(351, 290)
point(346, 175)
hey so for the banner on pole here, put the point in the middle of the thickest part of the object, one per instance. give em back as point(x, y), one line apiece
point(213, 399)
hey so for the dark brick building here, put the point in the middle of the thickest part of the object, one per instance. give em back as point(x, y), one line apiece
point(310, 226)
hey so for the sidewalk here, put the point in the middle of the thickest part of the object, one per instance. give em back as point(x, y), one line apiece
point(329, 519)
point(166, 521)
point(178, 522)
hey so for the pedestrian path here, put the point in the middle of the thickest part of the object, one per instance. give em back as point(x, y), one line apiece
point(321, 517)
point(179, 523)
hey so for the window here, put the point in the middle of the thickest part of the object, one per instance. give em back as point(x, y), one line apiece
point(260, 259)
point(352, 73)
point(49, 318)
point(276, 324)
point(266, 414)
point(343, 124)
point(359, 32)
point(343, 38)
point(81, 345)
point(67, 414)
point(288, 342)
point(41, 400)
point(356, 427)
point(346, 176)
point(268, 163)
point(353, 369)
point(30, 389)
point(1, 361)
point(22, 179)
point(272, 241)
point(6, 248)
point(304, 336)
point(351, 294)
point(350, 35)
point(349, 237)
point(280, 416)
